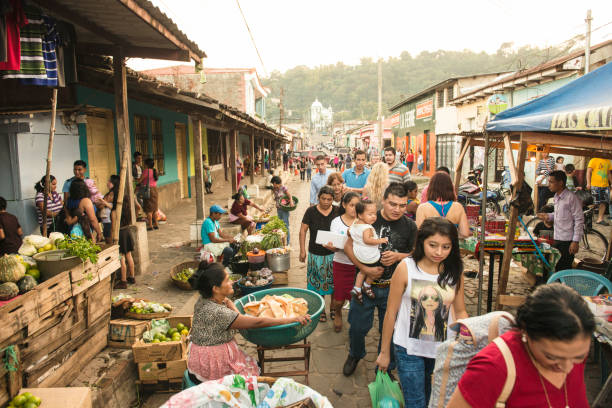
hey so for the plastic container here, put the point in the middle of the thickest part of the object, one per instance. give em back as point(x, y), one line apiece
point(51, 263)
point(259, 257)
point(285, 334)
point(278, 262)
point(240, 267)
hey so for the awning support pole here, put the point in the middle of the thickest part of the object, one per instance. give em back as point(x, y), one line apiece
point(49, 156)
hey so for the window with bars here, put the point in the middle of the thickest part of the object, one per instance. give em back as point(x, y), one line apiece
point(450, 93)
point(157, 139)
point(440, 98)
point(141, 135)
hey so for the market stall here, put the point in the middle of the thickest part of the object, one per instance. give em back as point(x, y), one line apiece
point(59, 318)
point(575, 120)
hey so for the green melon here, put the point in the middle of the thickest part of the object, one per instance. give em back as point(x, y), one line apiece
point(11, 270)
point(8, 291)
point(26, 284)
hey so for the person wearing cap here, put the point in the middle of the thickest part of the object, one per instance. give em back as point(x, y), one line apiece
point(214, 240)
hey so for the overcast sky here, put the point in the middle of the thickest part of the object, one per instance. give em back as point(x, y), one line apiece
point(317, 32)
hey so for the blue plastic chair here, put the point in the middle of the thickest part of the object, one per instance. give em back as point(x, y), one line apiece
point(187, 382)
point(584, 282)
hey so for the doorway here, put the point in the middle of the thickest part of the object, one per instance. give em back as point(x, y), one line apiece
point(181, 158)
point(101, 147)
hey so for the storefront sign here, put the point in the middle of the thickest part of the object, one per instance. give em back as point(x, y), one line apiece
point(395, 120)
point(407, 119)
point(590, 119)
point(424, 109)
point(497, 103)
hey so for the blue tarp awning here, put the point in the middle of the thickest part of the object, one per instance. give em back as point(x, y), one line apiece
point(584, 104)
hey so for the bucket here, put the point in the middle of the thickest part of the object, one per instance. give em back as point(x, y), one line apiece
point(51, 263)
point(278, 262)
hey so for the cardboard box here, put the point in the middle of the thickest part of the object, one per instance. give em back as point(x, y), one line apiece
point(124, 333)
point(159, 371)
point(73, 397)
point(161, 352)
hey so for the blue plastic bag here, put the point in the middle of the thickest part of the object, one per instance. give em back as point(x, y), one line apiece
point(385, 393)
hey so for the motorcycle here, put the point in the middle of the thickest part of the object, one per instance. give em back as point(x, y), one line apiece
point(470, 192)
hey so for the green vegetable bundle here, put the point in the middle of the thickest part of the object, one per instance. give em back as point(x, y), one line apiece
point(271, 241)
point(274, 223)
point(80, 246)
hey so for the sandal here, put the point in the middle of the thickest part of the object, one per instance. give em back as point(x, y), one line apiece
point(368, 291)
point(357, 295)
point(323, 318)
point(332, 314)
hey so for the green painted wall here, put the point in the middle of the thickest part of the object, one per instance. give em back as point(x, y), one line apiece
point(92, 97)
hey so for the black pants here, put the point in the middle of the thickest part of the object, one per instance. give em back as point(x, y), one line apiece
point(543, 195)
point(567, 259)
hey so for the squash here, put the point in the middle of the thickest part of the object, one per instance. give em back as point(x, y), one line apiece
point(8, 291)
point(26, 284)
point(11, 270)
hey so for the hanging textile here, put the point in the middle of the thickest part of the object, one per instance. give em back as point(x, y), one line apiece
point(14, 19)
point(66, 54)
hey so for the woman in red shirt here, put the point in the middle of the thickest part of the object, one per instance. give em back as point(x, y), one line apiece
point(239, 214)
point(549, 346)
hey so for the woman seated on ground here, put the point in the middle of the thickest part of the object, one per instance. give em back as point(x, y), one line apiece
point(239, 212)
point(549, 346)
point(214, 353)
point(441, 196)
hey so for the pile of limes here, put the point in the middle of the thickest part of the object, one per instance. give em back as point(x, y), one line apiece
point(25, 400)
point(185, 274)
point(173, 334)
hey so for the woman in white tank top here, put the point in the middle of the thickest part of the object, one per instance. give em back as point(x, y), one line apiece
point(426, 296)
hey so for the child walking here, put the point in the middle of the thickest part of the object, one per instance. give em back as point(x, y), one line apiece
point(365, 246)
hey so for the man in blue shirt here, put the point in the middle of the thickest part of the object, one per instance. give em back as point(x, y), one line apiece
point(213, 239)
point(355, 178)
point(319, 179)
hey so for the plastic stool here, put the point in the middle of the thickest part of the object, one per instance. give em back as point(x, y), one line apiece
point(187, 382)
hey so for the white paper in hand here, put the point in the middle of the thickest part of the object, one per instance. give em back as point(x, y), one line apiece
point(337, 240)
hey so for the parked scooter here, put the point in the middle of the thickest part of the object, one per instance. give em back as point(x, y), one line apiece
point(470, 192)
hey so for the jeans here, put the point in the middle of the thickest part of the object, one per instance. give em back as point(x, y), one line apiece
point(284, 216)
point(361, 318)
point(228, 255)
point(415, 377)
point(308, 174)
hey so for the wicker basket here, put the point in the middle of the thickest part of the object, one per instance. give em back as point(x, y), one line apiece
point(178, 268)
point(146, 316)
point(285, 334)
point(286, 208)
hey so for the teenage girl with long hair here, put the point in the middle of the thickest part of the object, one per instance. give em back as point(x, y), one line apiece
point(378, 180)
point(426, 296)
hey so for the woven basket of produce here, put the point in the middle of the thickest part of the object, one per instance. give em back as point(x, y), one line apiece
point(146, 310)
point(283, 203)
point(181, 273)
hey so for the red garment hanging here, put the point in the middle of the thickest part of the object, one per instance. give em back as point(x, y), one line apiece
point(14, 21)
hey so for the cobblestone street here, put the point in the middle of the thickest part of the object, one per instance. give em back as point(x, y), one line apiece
point(168, 247)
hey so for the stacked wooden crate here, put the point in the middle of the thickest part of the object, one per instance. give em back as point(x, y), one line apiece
point(58, 326)
point(161, 365)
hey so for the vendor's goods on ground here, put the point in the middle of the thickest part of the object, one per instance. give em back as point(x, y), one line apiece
point(185, 274)
point(25, 400)
point(277, 306)
point(258, 278)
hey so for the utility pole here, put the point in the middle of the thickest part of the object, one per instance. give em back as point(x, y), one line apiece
point(380, 121)
point(280, 109)
point(587, 51)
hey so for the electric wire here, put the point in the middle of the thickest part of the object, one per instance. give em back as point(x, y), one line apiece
point(252, 38)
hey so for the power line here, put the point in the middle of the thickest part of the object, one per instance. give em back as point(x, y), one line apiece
point(252, 38)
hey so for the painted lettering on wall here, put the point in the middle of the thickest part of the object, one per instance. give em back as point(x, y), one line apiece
point(424, 109)
point(590, 119)
point(395, 120)
point(407, 119)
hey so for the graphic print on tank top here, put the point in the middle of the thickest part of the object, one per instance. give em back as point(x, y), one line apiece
point(429, 310)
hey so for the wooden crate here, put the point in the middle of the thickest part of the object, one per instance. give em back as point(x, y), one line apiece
point(123, 333)
point(73, 397)
point(10, 381)
point(83, 276)
point(108, 261)
point(17, 313)
point(158, 371)
point(98, 300)
point(173, 385)
point(52, 292)
point(166, 351)
point(63, 365)
point(280, 278)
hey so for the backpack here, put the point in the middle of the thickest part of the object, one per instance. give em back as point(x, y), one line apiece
point(453, 356)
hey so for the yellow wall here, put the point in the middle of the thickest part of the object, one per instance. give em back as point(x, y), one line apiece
point(204, 148)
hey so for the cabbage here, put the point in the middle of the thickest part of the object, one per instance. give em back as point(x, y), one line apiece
point(37, 240)
point(27, 249)
point(54, 236)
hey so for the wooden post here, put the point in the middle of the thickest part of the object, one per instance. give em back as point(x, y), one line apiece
point(49, 157)
point(232, 158)
point(252, 169)
point(459, 166)
point(197, 159)
point(224, 143)
point(505, 269)
point(123, 132)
